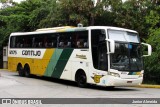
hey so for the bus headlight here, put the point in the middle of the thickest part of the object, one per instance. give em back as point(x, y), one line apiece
point(113, 74)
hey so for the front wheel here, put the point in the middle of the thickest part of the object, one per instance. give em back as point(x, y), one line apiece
point(81, 79)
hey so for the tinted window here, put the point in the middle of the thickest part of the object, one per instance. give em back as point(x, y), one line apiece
point(77, 39)
point(12, 42)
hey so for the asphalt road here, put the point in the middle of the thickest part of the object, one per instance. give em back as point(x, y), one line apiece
point(13, 86)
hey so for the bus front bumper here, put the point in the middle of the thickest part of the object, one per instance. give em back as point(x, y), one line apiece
point(116, 81)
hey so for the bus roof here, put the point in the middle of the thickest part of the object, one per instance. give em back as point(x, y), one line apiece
point(69, 29)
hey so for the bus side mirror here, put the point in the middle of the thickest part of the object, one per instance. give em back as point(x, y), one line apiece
point(149, 49)
point(111, 46)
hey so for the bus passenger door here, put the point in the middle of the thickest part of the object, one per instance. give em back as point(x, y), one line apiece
point(99, 56)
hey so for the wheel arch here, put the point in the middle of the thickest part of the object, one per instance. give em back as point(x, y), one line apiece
point(77, 73)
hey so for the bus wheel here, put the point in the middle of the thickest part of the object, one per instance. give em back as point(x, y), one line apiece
point(81, 79)
point(27, 71)
point(20, 70)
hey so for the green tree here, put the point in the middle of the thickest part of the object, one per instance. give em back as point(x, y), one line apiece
point(72, 12)
point(25, 16)
point(132, 15)
point(109, 12)
point(152, 63)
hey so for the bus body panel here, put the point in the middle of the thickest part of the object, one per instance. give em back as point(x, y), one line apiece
point(80, 59)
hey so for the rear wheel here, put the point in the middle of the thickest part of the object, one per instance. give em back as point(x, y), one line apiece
point(20, 70)
point(27, 71)
point(81, 79)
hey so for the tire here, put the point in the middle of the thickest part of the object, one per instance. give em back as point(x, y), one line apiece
point(20, 71)
point(27, 71)
point(81, 79)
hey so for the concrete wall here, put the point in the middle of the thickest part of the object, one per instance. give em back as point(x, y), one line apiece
point(5, 65)
point(5, 57)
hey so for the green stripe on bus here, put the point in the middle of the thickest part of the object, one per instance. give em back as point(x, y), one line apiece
point(62, 63)
point(53, 62)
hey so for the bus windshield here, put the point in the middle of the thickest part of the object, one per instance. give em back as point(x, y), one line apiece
point(127, 56)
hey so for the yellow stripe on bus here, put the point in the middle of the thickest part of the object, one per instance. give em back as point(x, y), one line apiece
point(40, 65)
point(37, 66)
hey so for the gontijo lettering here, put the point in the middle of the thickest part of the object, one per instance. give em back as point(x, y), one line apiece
point(31, 53)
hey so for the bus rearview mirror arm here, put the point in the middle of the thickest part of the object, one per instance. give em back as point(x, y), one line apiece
point(149, 49)
point(111, 46)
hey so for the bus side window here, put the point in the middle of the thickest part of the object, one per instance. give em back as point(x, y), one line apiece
point(33, 42)
point(61, 44)
point(51, 41)
point(80, 43)
point(86, 44)
point(45, 41)
point(18, 45)
point(69, 42)
point(60, 40)
point(13, 42)
point(19, 42)
point(64, 41)
point(82, 39)
point(38, 41)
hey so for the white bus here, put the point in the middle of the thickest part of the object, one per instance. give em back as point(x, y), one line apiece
point(100, 55)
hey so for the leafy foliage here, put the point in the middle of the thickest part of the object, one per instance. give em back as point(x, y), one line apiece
point(152, 63)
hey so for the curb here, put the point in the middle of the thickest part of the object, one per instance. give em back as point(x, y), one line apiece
point(3, 69)
point(148, 86)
